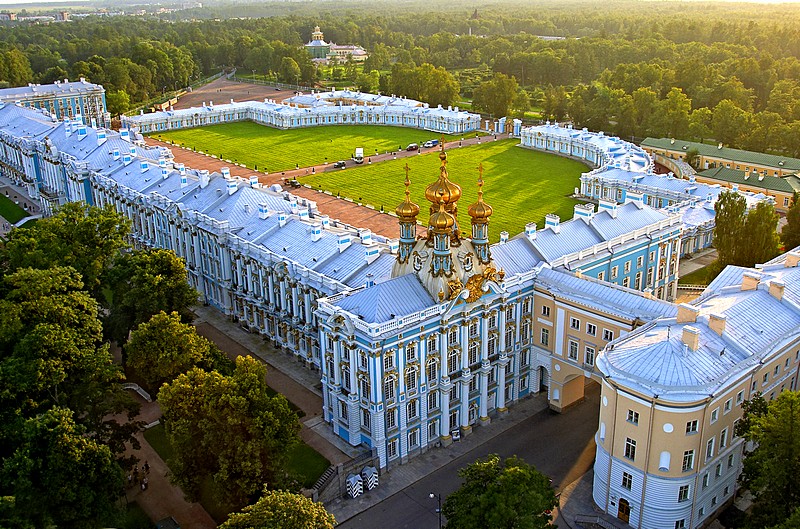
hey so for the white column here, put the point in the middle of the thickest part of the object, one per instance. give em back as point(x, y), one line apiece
point(465, 427)
point(501, 383)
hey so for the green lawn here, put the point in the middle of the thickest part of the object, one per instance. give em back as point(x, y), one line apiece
point(307, 463)
point(10, 211)
point(522, 185)
point(275, 150)
point(701, 276)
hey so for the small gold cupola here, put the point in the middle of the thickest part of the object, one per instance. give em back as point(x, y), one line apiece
point(407, 210)
point(480, 211)
point(441, 221)
point(407, 213)
point(443, 188)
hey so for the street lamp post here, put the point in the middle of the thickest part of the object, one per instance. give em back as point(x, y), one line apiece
point(438, 497)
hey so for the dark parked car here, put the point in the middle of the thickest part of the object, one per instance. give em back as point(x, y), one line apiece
point(412, 147)
point(341, 164)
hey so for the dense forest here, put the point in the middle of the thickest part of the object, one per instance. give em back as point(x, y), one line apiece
point(722, 72)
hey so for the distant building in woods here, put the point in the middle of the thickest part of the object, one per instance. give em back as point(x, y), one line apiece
point(63, 99)
point(322, 51)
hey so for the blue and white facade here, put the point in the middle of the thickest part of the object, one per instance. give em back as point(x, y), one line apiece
point(66, 99)
point(331, 108)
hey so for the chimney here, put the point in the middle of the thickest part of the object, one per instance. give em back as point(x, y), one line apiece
point(231, 185)
point(530, 231)
point(162, 163)
point(101, 137)
point(263, 212)
point(687, 313)
point(792, 259)
point(325, 221)
point(67, 127)
point(316, 232)
point(691, 337)
point(370, 281)
point(133, 150)
point(692, 178)
point(776, 287)
point(553, 222)
point(165, 173)
point(115, 154)
point(717, 323)
point(583, 212)
point(144, 166)
point(293, 204)
point(181, 169)
point(709, 198)
point(126, 159)
point(184, 180)
point(343, 242)
point(750, 280)
point(366, 237)
point(226, 172)
point(204, 178)
point(371, 253)
point(636, 198)
point(247, 208)
point(253, 181)
point(281, 219)
point(394, 246)
point(607, 205)
point(735, 188)
point(125, 134)
point(81, 132)
point(503, 237)
point(303, 213)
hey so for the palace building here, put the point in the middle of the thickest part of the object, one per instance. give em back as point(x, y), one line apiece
point(63, 100)
point(321, 51)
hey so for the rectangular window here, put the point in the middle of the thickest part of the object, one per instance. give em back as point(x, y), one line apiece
point(637, 283)
point(740, 398)
point(626, 267)
point(608, 335)
point(432, 344)
point(701, 512)
point(630, 448)
point(726, 491)
point(453, 361)
point(765, 379)
point(545, 311)
point(473, 330)
point(589, 356)
point(683, 493)
point(545, 337)
point(627, 481)
point(366, 419)
point(730, 461)
point(413, 438)
point(688, 460)
point(454, 393)
point(626, 282)
point(650, 276)
point(723, 439)
point(652, 256)
point(573, 350)
point(591, 329)
point(413, 410)
point(364, 387)
point(633, 417)
point(388, 361)
point(710, 449)
point(433, 400)
point(431, 372)
point(411, 379)
point(343, 410)
point(705, 480)
point(452, 336)
point(691, 427)
point(433, 429)
point(714, 415)
point(411, 352)
point(680, 524)
point(453, 420)
point(614, 272)
point(575, 323)
point(388, 389)
point(718, 470)
point(391, 448)
point(391, 418)
point(601, 276)
point(714, 500)
point(640, 261)
point(526, 306)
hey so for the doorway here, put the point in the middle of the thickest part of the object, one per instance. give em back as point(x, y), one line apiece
point(624, 511)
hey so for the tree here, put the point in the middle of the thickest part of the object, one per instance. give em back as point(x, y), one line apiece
point(280, 509)
point(692, 157)
point(289, 71)
point(760, 242)
point(496, 95)
point(521, 104)
point(83, 237)
point(52, 355)
point(730, 210)
point(59, 476)
point(118, 102)
point(729, 123)
point(229, 428)
point(510, 493)
point(163, 348)
point(790, 234)
point(772, 469)
point(143, 283)
point(700, 124)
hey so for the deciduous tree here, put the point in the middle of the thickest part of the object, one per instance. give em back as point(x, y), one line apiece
point(163, 348)
point(496, 95)
point(760, 242)
point(497, 493)
point(790, 234)
point(730, 210)
point(143, 283)
point(227, 427)
point(279, 509)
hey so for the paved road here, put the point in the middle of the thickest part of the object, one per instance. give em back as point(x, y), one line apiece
point(561, 446)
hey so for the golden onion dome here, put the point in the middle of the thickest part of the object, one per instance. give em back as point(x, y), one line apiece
point(442, 220)
point(443, 188)
point(407, 210)
point(480, 210)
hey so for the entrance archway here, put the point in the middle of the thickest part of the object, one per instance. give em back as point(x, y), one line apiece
point(544, 379)
point(624, 511)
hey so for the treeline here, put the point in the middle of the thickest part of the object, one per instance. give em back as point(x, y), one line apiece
point(614, 68)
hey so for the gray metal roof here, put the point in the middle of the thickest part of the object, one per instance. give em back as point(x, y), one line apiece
point(383, 302)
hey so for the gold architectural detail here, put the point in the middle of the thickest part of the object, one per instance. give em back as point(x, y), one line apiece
point(455, 287)
point(480, 211)
point(443, 188)
point(475, 283)
point(442, 221)
point(407, 210)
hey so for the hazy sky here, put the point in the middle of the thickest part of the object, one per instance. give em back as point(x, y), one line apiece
point(19, 5)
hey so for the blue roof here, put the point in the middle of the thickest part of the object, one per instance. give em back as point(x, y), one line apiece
point(517, 256)
point(385, 301)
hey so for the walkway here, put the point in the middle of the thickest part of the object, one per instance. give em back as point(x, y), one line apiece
point(698, 260)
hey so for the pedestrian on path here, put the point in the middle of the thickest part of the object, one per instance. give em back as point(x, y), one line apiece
point(146, 467)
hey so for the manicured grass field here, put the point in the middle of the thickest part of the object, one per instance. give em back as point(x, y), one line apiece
point(10, 211)
point(522, 185)
point(274, 150)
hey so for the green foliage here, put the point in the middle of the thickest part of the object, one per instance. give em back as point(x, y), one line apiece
point(161, 349)
point(496, 95)
point(60, 476)
point(281, 509)
point(793, 522)
point(228, 427)
point(497, 493)
point(790, 234)
point(742, 237)
point(426, 83)
point(118, 102)
point(772, 468)
point(731, 210)
point(692, 157)
point(143, 283)
point(83, 237)
point(10, 211)
point(760, 242)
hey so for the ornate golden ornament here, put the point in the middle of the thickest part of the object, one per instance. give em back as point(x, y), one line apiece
point(455, 287)
point(476, 281)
